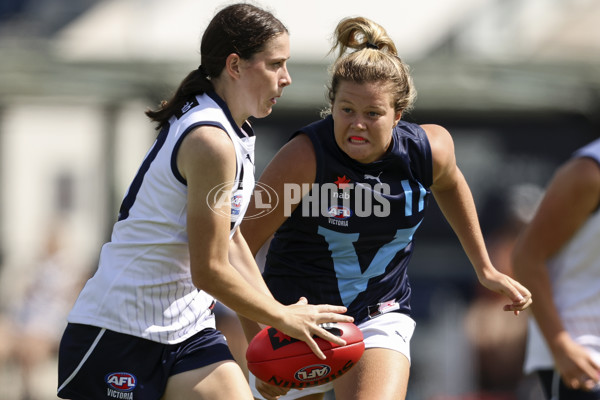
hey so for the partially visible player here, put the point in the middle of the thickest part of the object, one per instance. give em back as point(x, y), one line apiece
point(354, 188)
point(558, 258)
point(143, 326)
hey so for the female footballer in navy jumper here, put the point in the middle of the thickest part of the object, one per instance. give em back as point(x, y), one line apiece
point(353, 189)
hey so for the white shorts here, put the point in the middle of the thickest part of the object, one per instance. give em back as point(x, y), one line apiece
point(388, 331)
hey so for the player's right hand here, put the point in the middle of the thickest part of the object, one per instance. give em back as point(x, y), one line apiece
point(576, 365)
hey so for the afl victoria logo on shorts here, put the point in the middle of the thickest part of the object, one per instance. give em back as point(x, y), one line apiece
point(120, 385)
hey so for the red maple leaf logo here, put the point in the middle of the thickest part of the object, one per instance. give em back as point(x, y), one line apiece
point(342, 182)
point(279, 339)
point(282, 336)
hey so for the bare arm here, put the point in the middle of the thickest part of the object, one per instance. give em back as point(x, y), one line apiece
point(454, 198)
point(210, 149)
point(295, 165)
point(298, 153)
point(241, 257)
point(572, 195)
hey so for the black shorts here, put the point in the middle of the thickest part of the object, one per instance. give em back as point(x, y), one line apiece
point(96, 363)
point(555, 388)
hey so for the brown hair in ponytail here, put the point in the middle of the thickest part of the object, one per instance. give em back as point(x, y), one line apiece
point(242, 29)
point(374, 59)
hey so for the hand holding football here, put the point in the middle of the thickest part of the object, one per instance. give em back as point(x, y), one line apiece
point(283, 361)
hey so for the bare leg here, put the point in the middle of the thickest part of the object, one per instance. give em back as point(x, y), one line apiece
point(380, 374)
point(220, 381)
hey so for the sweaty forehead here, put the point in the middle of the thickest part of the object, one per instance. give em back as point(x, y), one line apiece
point(374, 94)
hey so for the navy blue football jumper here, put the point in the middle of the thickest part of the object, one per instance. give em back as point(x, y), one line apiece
point(350, 240)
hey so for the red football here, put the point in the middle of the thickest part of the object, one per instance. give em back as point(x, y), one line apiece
point(283, 361)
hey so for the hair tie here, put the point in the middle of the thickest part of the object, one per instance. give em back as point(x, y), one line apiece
point(372, 46)
point(203, 71)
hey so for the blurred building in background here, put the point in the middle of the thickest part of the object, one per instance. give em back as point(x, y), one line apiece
point(516, 82)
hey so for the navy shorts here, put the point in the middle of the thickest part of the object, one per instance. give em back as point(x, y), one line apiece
point(96, 363)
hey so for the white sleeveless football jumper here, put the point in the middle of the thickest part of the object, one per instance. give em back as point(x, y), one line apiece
point(575, 279)
point(143, 284)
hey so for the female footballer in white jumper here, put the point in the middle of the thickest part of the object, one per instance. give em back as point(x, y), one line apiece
point(558, 257)
point(143, 327)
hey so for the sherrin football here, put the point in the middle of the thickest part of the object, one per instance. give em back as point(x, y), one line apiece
point(283, 361)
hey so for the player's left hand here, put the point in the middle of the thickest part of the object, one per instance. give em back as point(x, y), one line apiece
point(504, 284)
point(268, 391)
